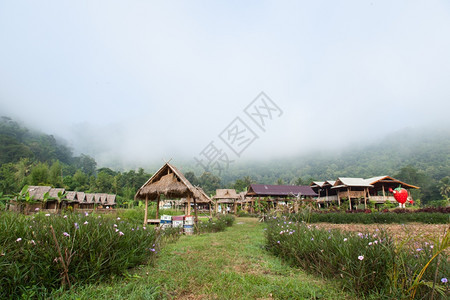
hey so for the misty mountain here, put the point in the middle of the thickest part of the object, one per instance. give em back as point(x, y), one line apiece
point(426, 149)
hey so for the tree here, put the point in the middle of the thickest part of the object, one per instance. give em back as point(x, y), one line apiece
point(87, 164)
point(190, 176)
point(23, 169)
point(444, 187)
point(40, 175)
point(103, 183)
point(55, 174)
point(209, 182)
point(241, 185)
point(8, 184)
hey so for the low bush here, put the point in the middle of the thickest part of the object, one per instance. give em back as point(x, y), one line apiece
point(366, 263)
point(46, 252)
point(136, 215)
point(215, 225)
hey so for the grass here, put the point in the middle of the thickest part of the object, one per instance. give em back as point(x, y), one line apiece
point(227, 265)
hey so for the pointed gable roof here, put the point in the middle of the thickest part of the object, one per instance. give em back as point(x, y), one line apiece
point(71, 195)
point(168, 181)
point(226, 194)
point(389, 179)
point(317, 184)
point(37, 192)
point(350, 182)
point(90, 198)
point(81, 196)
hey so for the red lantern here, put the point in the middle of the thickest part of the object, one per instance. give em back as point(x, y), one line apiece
point(400, 194)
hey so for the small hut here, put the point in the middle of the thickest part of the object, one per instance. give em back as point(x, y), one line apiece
point(88, 202)
point(110, 200)
point(71, 199)
point(171, 183)
point(226, 196)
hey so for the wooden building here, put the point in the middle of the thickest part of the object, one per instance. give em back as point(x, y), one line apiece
point(357, 190)
point(277, 193)
point(226, 197)
point(171, 183)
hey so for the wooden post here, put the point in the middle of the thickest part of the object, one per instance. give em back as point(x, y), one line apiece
point(188, 211)
point(216, 207)
point(384, 194)
point(195, 212)
point(146, 210)
point(157, 207)
point(339, 199)
point(349, 199)
point(210, 210)
point(235, 207)
point(366, 190)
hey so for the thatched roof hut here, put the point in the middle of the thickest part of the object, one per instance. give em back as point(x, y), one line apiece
point(71, 196)
point(226, 196)
point(38, 192)
point(167, 181)
point(110, 200)
point(171, 183)
point(53, 193)
point(90, 198)
point(81, 196)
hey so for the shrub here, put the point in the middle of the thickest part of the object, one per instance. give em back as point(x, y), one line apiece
point(215, 225)
point(44, 252)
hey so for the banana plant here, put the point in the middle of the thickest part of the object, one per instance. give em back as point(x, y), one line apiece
point(23, 198)
point(61, 196)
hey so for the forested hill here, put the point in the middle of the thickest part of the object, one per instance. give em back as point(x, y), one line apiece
point(18, 142)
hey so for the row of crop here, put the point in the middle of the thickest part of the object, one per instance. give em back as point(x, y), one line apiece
point(46, 252)
point(371, 218)
point(366, 263)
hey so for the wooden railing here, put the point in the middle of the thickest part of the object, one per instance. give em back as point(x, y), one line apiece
point(381, 199)
point(328, 199)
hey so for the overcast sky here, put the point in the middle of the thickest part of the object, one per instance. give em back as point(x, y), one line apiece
point(146, 80)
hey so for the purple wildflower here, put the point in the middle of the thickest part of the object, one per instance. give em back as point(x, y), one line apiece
point(66, 234)
point(444, 280)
